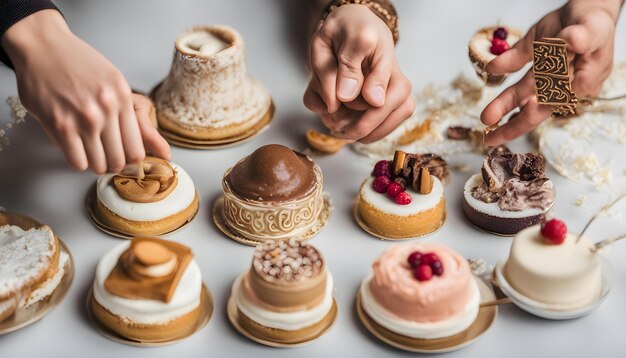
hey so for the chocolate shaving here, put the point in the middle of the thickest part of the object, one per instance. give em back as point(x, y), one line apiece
point(459, 133)
point(411, 169)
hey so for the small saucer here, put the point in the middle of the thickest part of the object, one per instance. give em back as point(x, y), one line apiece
point(234, 315)
point(218, 219)
point(206, 302)
point(484, 321)
point(359, 220)
point(554, 312)
point(258, 128)
point(31, 314)
point(91, 201)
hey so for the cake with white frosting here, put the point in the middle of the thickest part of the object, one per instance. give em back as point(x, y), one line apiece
point(208, 94)
point(287, 294)
point(148, 290)
point(488, 43)
point(404, 198)
point(421, 290)
point(155, 201)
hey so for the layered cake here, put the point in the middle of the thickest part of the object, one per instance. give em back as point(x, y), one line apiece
point(488, 43)
point(421, 290)
point(156, 200)
point(148, 290)
point(551, 266)
point(404, 198)
point(273, 193)
point(511, 193)
point(286, 295)
point(32, 266)
point(208, 94)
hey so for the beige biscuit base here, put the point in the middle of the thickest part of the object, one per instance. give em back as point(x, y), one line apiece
point(397, 226)
point(145, 228)
point(173, 329)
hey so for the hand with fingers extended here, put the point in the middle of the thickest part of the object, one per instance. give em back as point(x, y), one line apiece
point(588, 28)
point(80, 98)
point(357, 87)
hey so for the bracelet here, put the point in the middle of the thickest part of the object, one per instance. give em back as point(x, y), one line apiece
point(382, 8)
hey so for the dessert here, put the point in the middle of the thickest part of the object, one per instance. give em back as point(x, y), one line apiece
point(148, 290)
point(324, 143)
point(158, 199)
point(208, 95)
point(421, 290)
point(511, 193)
point(32, 266)
point(487, 44)
point(287, 294)
point(404, 198)
point(273, 193)
point(551, 266)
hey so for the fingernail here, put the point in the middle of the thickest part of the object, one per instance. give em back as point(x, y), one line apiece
point(378, 95)
point(347, 88)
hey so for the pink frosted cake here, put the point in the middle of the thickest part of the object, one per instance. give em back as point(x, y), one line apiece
point(421, 290)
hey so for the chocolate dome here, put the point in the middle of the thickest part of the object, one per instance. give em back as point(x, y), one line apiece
point(273, 173)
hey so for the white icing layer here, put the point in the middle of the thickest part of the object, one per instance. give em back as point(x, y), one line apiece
point(185, 299)
point(419, 330)
point(202, 43)
point(492, 208)
point(418, 203)
point(178, 200)
point(48, 287)
point(290, 321)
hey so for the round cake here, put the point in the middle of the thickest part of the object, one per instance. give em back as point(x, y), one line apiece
point(485, 46)
point(148, 290)
point(208, 95)
point(566, 275)
point(511, 194)
point(160, 200)
point(287, 294)
point(421, 290)
point(274, 193)
point(404, 198)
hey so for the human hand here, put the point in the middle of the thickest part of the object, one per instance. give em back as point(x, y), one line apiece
point(588, 28)
point(357, 87)
point(82, 100)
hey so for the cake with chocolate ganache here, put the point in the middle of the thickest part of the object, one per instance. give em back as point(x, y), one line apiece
point(487, 44)
point(553, 267)
point(404, 198)
point(148, 290)
point(286, 295)
point(421, 290)
point(273, 193)
point(158, 198)
point(208, 94)
point(511, 193)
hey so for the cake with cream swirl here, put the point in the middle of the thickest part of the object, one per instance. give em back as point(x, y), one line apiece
point(274, 193)
point(156, 199)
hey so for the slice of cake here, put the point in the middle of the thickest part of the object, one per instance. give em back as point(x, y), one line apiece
point(488, 43)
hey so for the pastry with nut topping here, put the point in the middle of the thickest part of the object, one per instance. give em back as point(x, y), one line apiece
point(286, 296)
point(155, 199)
point(403, 198)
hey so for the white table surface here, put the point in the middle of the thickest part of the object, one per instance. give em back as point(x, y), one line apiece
point(138, 37)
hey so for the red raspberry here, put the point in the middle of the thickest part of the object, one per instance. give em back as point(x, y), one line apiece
point(403, 198)
point(429, 258)
point(500, 33)
point(381, 183)
point(383, 167)
point(499, 46)
point(415, 259)
point(554, 231)
point(394, 189)
point(423, 273)
point(437, 267)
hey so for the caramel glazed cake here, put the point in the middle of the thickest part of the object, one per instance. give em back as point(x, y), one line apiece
point(274, 193)
point(31, 267)
point(286, 295)
point(208, 94)
point(148, 290)
point(161, 201)
point(511, 194)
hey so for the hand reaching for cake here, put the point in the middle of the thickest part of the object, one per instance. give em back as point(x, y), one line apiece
point(588, 28)
point(82, 100)
point(357, 87)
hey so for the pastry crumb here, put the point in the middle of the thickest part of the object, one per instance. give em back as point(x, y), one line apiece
point(581, 200)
